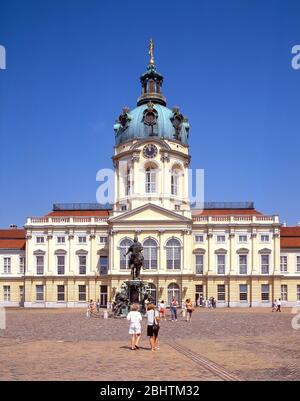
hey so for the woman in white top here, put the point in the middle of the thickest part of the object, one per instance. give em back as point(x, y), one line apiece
point(135, 328)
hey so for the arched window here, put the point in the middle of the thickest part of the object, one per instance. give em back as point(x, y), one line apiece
point(124, 245)
point(173, 254)
point(150, 179)
point(152, 291)
point(174, 291)
point(150, 254)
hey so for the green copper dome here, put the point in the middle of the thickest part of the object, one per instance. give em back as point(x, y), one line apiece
point(154, 121)
point(151, 117)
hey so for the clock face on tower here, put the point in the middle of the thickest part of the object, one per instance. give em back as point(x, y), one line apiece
point(150, 151)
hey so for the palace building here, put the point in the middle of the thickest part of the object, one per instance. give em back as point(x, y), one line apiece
point(76, 252)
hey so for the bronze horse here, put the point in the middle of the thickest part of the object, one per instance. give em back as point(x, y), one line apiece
point(136, 258)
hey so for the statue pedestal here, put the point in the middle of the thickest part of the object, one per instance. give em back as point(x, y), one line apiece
point(133, 292)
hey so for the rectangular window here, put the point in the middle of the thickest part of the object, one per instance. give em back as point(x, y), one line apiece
point(150, 181)
point(40, 240)
point(103, 239)
point(265, 296)
point(7, 265)
point(40, 265)
point(198, 294)
point(82, 264)
point(265, 238)
point(243, 292)
point(124, 208)
point(221, 239)
point(103, 265)
point(199, 238)
point(81, 293)
point(199, 264)
point(243, 264)
point(60, 293)
point(173, 258)
point(22, 265)
point(60, 264)
point(150, 255)
point(199, 289)
point(6, 293)
point(82, 240)
point(298, 292)
point(265, 264)
point(243, 239)
point(103, 295)
point(177, 207)
point(284, 292)
point(221, 292)
point(298, 264)
point(39, 290)
point(283, 264)
point(174, 183)
point(221, 264)
point(21, 294)
point(61, 240)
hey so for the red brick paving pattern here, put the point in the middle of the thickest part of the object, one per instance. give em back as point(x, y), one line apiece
point(48, 344)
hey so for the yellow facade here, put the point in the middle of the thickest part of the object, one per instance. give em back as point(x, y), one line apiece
point(231, 256)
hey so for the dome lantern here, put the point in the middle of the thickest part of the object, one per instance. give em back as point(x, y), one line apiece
point(151, 82)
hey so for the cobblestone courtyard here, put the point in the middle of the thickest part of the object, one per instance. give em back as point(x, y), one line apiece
point(221, 344)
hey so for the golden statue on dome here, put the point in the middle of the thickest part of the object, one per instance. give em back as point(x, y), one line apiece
point(151, 49)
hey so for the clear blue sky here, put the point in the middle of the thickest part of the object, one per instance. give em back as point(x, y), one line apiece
point(73, 64)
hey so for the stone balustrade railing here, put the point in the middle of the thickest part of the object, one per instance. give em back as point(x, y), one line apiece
point(260, 219)
point(65, 220)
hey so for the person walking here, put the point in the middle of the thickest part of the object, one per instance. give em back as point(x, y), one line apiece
point(153, 326)
point(98, 305)
point(189, 309)
point(274, 305)
point(135, 328)
point(173, 306)
point(162, 310)
point(278, 305)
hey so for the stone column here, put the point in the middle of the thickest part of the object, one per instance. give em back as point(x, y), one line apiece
point(165, 176)
point(50, 255)
point(276, 260)
point(255, 263)
point(72, 257)
point(210, 260)
point(93, 264)
point(232, 258)
point(113, 251)
point(28, 260)
point(161, 253)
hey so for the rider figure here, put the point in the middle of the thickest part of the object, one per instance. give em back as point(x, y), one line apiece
point(136, 258)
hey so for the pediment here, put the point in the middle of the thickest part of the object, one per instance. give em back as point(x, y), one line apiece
point(199, 251)
point(242, 250)
point(150, 213)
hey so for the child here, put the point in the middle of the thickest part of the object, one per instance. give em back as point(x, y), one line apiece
point(135, 328)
